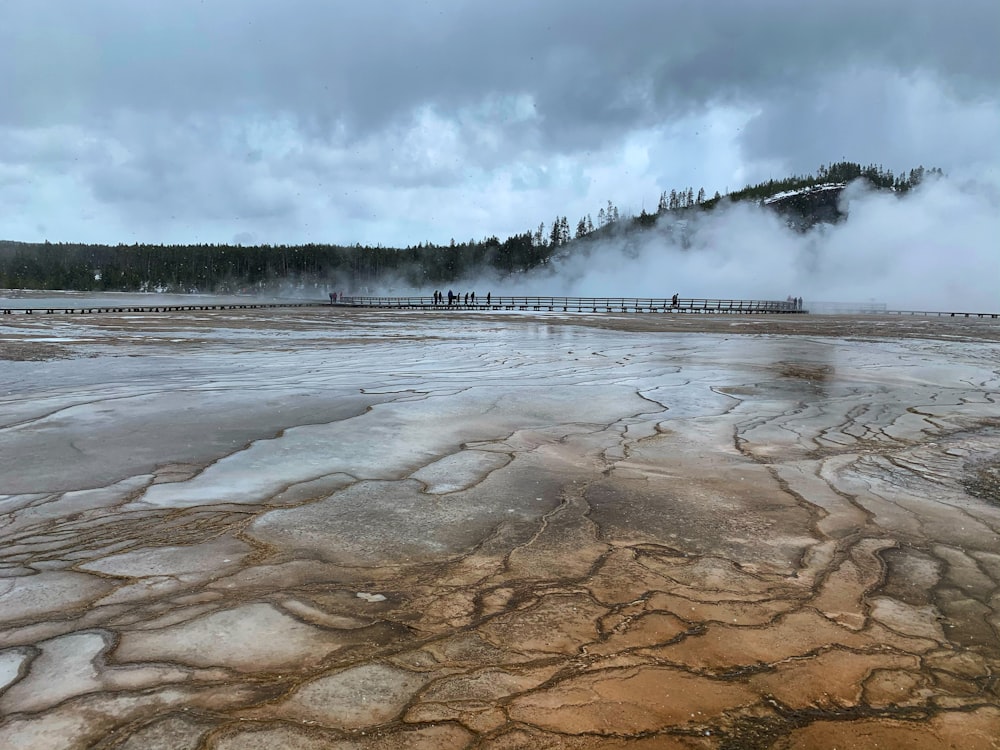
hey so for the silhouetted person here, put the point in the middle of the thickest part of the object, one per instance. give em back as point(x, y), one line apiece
point(487, 298)
point(472, 296)
point(451, 298)
point(466, 298)
point(674, 300)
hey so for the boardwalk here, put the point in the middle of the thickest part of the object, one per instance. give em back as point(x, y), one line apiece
point(582, 304)
point(637, 305)
point(91, 309)
point(505, 302)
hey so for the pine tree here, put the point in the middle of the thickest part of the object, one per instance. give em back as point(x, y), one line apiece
point(701, 196)
point(590, 225)
point(555, 236)
point(539, 239)
point(581, 228)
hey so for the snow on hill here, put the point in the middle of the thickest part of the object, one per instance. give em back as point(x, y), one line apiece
point(811, 190)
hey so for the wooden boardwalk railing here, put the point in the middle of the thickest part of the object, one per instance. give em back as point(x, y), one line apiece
point(941, 314)
point(580, 304)
point(88, 309)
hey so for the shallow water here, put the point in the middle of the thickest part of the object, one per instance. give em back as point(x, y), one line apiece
point(326, 528)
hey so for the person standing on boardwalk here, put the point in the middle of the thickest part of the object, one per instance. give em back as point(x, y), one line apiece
point(451, 297)
point(674, 300)
point(487, 298)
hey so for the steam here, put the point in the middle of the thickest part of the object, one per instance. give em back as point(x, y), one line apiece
point(936, 248)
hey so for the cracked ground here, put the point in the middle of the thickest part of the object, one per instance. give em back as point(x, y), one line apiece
point(320, 528)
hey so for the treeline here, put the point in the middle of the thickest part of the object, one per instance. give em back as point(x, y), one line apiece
point(229, 268)
point(839, 172)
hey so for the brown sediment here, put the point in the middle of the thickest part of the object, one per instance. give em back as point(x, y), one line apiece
point(809, 556)
point(29, 351)
point(982, 480)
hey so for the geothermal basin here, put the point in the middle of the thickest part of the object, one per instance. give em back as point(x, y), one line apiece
point(332, 528)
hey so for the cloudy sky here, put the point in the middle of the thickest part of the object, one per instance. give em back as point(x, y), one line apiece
point(402, 121)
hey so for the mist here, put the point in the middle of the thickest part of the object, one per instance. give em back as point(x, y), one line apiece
point(936, 248)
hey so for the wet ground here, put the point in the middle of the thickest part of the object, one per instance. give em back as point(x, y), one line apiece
point(347, 529)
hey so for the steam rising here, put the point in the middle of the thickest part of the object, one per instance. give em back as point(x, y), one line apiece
point(936, 248)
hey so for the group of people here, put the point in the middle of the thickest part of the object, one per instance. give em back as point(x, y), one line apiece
point(794, 302)
point(457, 299)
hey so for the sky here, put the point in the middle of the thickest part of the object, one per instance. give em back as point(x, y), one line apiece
point(398, 121)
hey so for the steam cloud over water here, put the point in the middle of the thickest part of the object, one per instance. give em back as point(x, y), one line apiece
point(935, 248)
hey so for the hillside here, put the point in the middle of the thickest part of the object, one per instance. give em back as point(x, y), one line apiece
point(808, 206)
point(815, 199)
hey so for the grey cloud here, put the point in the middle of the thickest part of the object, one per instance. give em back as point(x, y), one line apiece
point(369, 64)
point(56, 148)
point(188, 170)
point(875, 115)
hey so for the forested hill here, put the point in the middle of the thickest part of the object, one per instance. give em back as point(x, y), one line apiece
point(802, 200)
point(812, 199)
